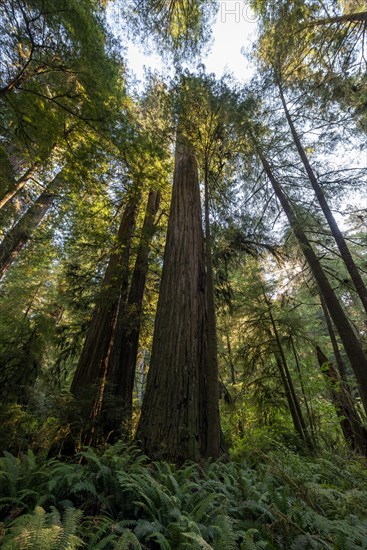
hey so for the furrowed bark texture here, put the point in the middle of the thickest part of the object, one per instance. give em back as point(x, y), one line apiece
point(175, 415)
point(122, 363)
point(93, 361)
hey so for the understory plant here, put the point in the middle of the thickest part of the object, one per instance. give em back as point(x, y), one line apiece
point(118, 499)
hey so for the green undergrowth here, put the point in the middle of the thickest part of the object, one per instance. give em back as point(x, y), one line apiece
point(119, 500)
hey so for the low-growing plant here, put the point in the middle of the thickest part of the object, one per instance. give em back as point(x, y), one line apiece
point(118, 499)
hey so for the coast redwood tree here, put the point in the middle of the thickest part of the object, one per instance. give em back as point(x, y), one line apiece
point(90, 375)
point(178, 420)
point(124, 350)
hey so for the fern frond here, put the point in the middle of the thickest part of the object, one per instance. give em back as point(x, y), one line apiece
point(198, 541)
point(127, 541)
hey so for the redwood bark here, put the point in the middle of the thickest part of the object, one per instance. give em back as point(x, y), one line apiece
point(19, 235)
point(334, 228)
point(175, 415)
point(122, 363)
point(351, 343)
point(89, 378)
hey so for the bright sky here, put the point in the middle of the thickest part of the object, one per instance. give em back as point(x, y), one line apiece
point(235, 28)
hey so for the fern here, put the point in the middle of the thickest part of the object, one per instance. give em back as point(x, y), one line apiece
point(41, 531)
point(127, 541)
point(249, 542)
point(285, 502)
point(70, 522)
point(198, 541)
point(224, 534)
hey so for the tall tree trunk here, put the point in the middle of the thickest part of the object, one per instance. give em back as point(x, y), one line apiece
point(19, 184)
point(89, 379)
point(354, 433)
point(230, 358)
point(359, 17)
point(334, 228)
point(174, 421)
point(29, 173)
point(338, 357)
point(19, 235)
point(308, 408)
point(293, 403)
point(212, 381)
point(339, 362)
point(351, 343)
point(122, 363)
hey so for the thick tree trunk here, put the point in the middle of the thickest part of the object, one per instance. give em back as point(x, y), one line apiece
point(350, 341)
point(19, 235)
point(89, 379)
point(122, 363)
point(354, 433)
point(334, 228)
point(175, 415)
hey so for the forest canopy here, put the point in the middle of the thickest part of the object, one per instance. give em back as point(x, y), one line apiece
point(183, 278)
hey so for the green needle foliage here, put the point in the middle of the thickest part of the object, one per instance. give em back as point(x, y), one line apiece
point(258, 352)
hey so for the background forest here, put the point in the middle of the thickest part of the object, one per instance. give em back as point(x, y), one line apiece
point(183, 295)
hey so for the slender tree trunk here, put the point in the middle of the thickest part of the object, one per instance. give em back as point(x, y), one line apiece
point(293, 403)
point(351, 343)
point(89, 379)
point(19, 184)
point(212, 363)
point(230, 358)
point(338, 357)
point(339, 361)
point(29, 173)
point(359, 17)
point(174, 422)
point(19, 235)
point(354, 433)
point(22, 77)
point(308, 409)
point(122, 363)
point(334, 228)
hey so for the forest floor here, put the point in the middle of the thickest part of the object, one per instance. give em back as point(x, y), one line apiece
point(118, 499)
